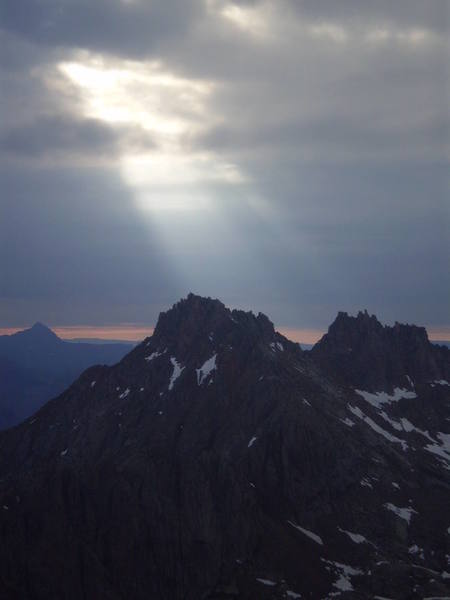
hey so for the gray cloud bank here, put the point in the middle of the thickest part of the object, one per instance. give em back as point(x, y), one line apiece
point(335, 115)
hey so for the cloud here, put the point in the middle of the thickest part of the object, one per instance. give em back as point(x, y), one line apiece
point(310, 138)
point(114, 26)
point(65, 138)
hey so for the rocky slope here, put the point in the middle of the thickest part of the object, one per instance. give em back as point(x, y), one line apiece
point(218, 460)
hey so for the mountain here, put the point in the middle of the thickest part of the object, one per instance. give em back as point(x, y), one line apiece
point(36, 365)
point(219, 460)
point(360, 351)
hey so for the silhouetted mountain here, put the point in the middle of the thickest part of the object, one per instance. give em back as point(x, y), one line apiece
point(360, 351)
point(219, 460)
point(36, 365)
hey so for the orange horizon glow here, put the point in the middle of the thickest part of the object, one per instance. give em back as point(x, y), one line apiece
point(136, 333)
point(126, 332)
point(304, 336)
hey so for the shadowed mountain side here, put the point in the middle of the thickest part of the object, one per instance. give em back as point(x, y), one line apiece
point(362, 352)
point(218, 460)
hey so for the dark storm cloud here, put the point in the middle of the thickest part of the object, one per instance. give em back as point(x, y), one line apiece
point(63, 135)
point(133, 28)
point(336, 115)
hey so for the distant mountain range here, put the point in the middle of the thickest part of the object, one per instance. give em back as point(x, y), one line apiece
point(36, 365)
point(217, 460)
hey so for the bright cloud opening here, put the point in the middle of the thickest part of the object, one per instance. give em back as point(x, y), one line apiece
point(166, 106)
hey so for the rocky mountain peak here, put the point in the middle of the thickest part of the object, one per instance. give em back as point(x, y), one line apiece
point(346, 329)
point(189, 316)
point(195, 321)
point(216, 460)
point(370, 355)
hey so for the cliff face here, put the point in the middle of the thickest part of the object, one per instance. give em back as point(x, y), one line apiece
point(361, 351)
point(218, 460)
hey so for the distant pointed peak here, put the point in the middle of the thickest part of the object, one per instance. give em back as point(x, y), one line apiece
point(41, 330)
point(38, 326)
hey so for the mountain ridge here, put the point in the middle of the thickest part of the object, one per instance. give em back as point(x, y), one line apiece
point(218, 460)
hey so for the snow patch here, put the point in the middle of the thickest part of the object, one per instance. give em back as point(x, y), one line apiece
point(441, 382)
point(316, 538)
point(409, 427)
point(277, 346)
point(403, 513)
point(154, 355)
point(405, 425)
point(343, 582)
point(366, 483)
point(177, 370)
point(371, 423)
point(64, 452)
point(266, 581)
point(305, 401)
point(291, 594)
point(93, 383)
point(441, 448)
point(416, 551)
point(251, 442)
point(377, 399)
point(206, 369)
point(124, 394)
point(348, 422)
point(355, 537)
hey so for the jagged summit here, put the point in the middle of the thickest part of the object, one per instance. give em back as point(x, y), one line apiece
point(190, 316)
point(365, 324)
point(364, 352)
point(197, 314)
point(196, 324)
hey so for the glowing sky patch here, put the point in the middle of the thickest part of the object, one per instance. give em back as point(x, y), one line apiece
point(252, 20)
point(168, 107)
point(285, 156)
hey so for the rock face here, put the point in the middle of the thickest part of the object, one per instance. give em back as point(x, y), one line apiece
point(361, 351)
point(218, 460)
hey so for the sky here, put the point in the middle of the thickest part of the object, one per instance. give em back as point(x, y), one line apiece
point(285, 156)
